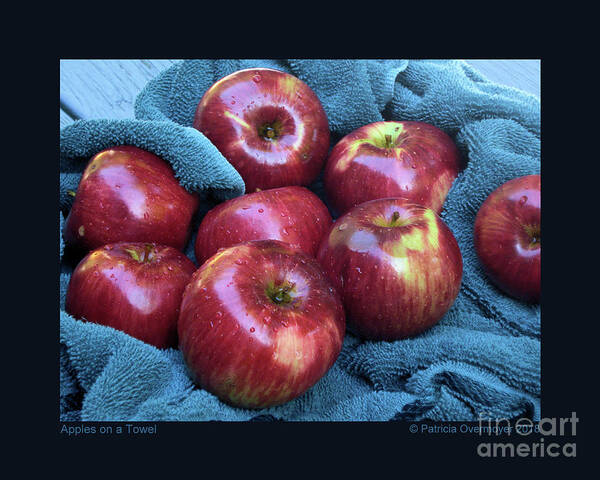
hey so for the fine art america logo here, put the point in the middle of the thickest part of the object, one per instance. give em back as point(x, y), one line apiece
point(549, 437)
point(549, 429)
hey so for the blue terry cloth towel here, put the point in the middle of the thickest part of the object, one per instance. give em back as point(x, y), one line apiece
point(481, 360)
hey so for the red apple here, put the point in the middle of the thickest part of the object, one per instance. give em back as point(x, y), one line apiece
point(268, 124)
point(129, 194)
point(508, 239)
point(396, 265)
point(260, 324)
point(132, 287)
point(412, 160)
point(293, 215)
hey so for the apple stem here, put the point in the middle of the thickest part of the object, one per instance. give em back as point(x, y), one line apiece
point(149, 252)
point(388, 141)
point(281, 295)
point(395, 217)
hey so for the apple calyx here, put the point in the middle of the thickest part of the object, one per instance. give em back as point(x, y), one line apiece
point(534, 234)
point(270, 131)
point(281, 294)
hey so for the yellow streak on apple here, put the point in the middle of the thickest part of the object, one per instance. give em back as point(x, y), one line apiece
point(237, 119)
point(416, 241)
point(288, 85)
point(208, 267)
point(433, 231)
point(375, 135)
point(345, 159)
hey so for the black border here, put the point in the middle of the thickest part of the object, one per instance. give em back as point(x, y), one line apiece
point(370, 443)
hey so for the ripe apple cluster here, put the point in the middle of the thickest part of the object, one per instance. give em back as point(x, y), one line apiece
point(263, 316)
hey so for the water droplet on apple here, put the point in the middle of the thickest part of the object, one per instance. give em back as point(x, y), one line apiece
point(219, 314)
point(284, 231)
point(233, 102)
point(256, 78)
point(251, 329)
point(298, 354)
point(358, 270)
point(260, 210)
point(282, 214)
point(343, 226)
point(523, 200)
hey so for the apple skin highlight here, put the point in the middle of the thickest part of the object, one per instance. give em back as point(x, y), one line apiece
point(132, 287)
point(129, 194)
point(268, 124)
point(260, 324)
point(507, 237)
point(396, 265)
point(293, 215)
point(412, 160)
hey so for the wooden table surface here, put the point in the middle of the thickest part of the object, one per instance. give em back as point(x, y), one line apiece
point(107, 88)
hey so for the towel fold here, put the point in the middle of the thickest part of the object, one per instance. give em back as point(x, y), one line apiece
point(482, 358)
